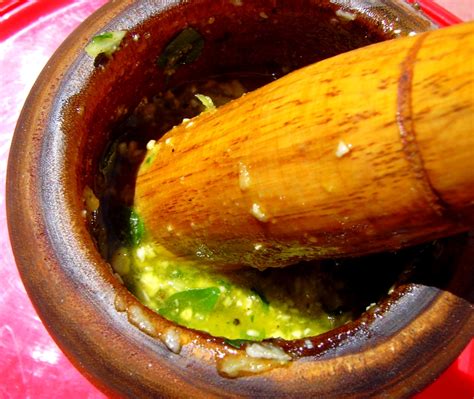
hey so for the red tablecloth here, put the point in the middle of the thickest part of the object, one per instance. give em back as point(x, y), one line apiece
point(31, 365)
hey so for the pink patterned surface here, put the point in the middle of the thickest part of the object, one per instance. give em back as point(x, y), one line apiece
point(31, 365)
point(462, 8)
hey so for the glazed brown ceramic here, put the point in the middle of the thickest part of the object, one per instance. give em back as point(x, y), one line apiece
point(392, 351)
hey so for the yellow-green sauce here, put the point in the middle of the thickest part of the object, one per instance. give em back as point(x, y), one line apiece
point(246, 305)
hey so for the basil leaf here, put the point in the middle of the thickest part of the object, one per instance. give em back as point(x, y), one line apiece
point(206, 102)
point(106, 43)
point(184, 49)
point(136, 228)
point(200, 300)
point(236, 343)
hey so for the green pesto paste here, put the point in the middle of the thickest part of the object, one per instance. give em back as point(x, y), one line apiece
point(250, 307)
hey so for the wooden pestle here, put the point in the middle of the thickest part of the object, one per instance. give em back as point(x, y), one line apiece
point(368, 151)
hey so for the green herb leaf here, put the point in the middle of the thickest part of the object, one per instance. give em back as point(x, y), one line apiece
point(106, 43)
point(127, 224)
point(236, 343)
point(206, 101)
point(136, 228)
point(184, 49)
point(201, 300)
